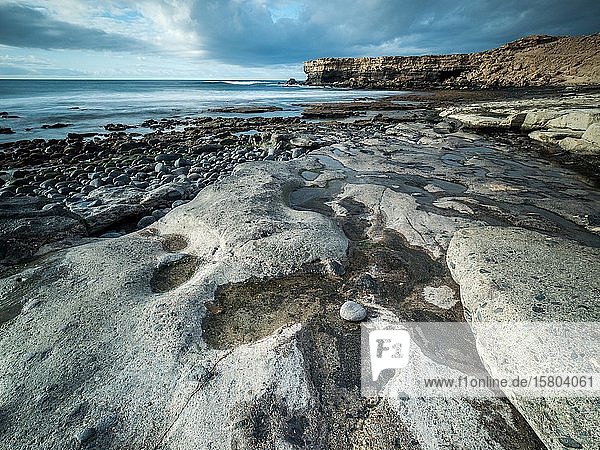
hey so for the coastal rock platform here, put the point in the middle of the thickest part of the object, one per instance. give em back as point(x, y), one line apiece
point(218, 326)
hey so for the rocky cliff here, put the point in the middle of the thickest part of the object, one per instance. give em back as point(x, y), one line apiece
point(531, 61)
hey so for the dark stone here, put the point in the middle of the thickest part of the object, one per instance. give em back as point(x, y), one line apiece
point(117, 127)
point(182, 162)
point(25, 226)
point(146, 221)
point(167, 157)
point(56, 125)
point(569, 442)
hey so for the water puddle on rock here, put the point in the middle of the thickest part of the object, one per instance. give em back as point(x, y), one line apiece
point(173, 274)
point(309, 175)
point(387, 273)
point(174, 242)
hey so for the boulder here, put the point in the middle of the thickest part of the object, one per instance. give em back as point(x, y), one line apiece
point(576, 120)
point(28, 223)
point(592, 134)
point(581, 146)
point(554, 136)
point(537, 119)
point(513, 276)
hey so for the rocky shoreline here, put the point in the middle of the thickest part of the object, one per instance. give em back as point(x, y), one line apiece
point(530, 61)
point(182, 288)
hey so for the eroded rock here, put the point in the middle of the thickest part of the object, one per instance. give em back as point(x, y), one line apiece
point(515, 276)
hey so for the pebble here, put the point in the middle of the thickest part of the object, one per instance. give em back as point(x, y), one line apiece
point(352, 311)
point(335, 268)
point(297, 152)
point(182, 162)
point(74, 168)
point(145, 221)
point(169, 259)
point(177, 203)
point(51, 206)
point(122, 179)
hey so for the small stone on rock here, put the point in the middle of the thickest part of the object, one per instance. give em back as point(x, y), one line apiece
point(352, 311)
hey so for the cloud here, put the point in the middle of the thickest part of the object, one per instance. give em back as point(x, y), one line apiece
point(203, 36)
point(15, 71)
point(258, 31)
point(26, 26)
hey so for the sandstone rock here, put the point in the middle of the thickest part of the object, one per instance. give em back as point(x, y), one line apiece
point(592, 134)
point(581, 146)
point(542, 60)
point(535, 120)
point(576, 120)
point(517, 276)
point(480, 121)
point(554, 136)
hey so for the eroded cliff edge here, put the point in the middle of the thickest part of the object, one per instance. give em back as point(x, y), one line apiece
point(530, 61)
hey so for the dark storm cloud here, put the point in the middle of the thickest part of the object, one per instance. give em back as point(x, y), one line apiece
point(247, 31)
point(25, 26)
point(269, 32)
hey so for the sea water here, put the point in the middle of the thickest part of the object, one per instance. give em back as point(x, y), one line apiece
point(88, 105)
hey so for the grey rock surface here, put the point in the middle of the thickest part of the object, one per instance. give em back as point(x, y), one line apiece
point(236, 341)
point(26, 225)
point(561, 120)
point(517, 276)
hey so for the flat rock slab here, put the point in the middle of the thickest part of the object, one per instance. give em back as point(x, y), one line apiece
point(215, 328)
point(518, 276)
point(110, 347)
point(25, 227)
point(558, 120)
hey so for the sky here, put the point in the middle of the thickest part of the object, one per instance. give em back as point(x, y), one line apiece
point(258, 39)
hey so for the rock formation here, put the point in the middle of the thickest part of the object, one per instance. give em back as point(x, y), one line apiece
point(530, 61)
point(218, 327)
point(570, 122)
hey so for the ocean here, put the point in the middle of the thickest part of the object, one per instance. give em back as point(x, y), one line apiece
point(87, 105)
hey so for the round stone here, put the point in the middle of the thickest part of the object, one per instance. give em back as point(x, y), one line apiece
point(352, 311)
point(122, 179)
point(145, 221)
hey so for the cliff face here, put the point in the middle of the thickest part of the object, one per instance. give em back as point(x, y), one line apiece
point(531, 61)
